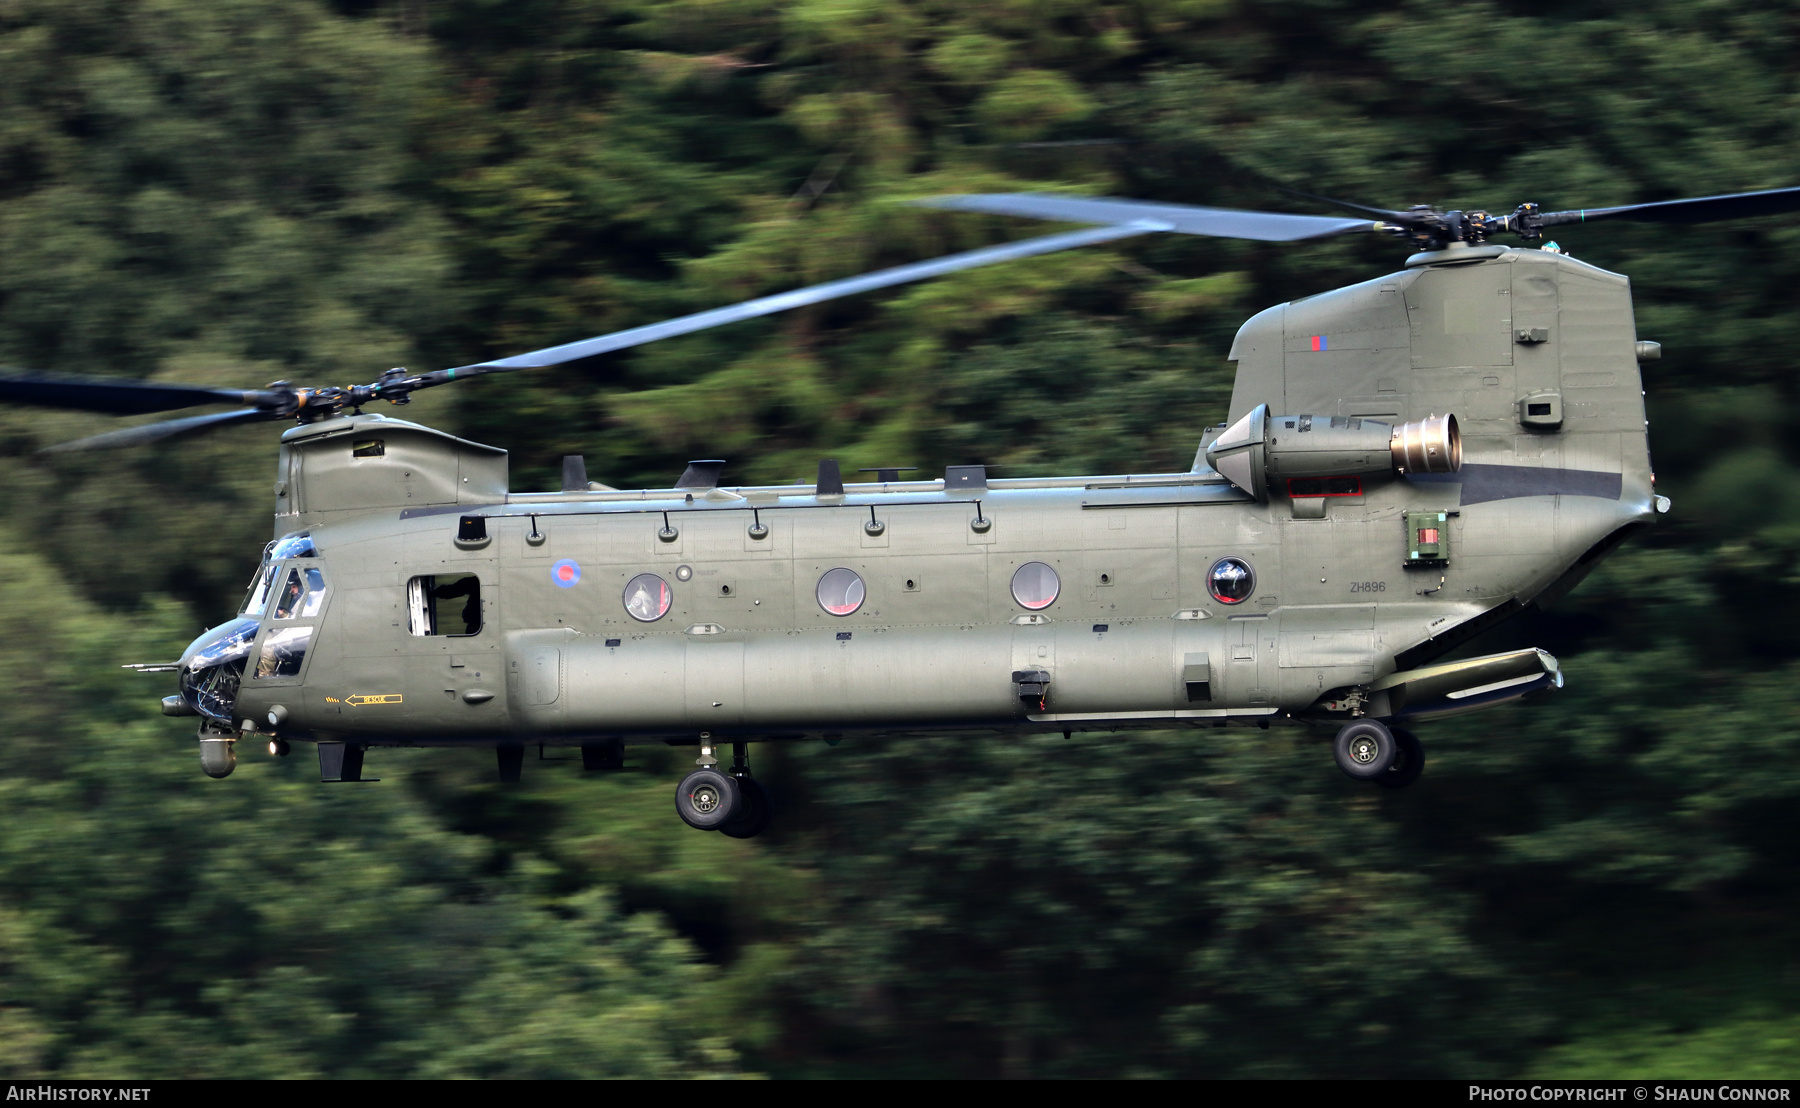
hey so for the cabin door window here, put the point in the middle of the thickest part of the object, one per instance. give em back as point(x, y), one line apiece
point(444, 604)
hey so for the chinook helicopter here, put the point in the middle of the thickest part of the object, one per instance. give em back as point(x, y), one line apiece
point(1405, 463)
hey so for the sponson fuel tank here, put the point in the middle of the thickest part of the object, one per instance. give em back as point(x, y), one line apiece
point(1152, 669)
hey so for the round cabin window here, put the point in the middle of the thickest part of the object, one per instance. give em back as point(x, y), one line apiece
point(647, 598)
point(1035, 585)
point(841, 591)
point(1231, 580)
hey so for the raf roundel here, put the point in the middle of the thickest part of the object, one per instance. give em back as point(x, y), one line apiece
point(565, 573)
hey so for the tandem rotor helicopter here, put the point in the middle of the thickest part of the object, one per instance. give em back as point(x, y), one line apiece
point(1406, 462)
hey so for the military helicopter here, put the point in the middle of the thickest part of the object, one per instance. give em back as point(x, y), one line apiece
point(1406, 462)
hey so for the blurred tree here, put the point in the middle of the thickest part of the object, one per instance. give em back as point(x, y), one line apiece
point(213, 193)
point(157, 924)
point(1137, 904)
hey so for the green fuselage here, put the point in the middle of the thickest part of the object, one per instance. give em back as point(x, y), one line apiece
point(1135, 635)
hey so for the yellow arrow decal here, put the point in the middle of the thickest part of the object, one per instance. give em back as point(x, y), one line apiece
point(377, 698)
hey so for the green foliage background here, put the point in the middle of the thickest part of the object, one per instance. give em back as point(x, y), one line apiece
point(233, 192)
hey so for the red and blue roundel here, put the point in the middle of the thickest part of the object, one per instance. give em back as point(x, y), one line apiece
point(565, 573)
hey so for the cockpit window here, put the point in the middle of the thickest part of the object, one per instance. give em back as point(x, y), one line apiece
point(289, 598)
point(257, 598)
point(283, 649)
point(447, 604)
point(301, 594)
point(315, 591)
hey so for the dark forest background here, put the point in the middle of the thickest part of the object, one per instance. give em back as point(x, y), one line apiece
point(1602, 883)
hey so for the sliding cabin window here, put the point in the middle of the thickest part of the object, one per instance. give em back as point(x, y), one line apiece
point(446, 604)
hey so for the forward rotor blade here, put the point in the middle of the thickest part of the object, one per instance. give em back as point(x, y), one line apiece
point(1699, 209)
point(152, 432)
point(120, 397)
point(799, 298)
point(1387, 215)
point(1186, 219)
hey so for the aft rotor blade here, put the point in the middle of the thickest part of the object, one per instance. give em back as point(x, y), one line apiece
point(1699, 209)
point(120, 397)
point(799, 298)
point(152, 432)
point(1186, 219)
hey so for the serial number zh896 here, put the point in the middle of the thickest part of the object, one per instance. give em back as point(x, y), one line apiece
point(1368, 586)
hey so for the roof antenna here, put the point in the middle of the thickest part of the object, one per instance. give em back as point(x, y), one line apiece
point(831, 480)
point(574, 473)
point(702, 473)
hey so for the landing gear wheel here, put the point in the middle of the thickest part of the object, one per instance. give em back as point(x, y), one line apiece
point(707, 799)
point(1365, 749)
point(1409, 760)
point(758, 809)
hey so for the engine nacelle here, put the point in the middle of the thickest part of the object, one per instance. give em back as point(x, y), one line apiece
point(1261, 450)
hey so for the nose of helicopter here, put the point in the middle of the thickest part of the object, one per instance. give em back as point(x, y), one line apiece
point(213, 665)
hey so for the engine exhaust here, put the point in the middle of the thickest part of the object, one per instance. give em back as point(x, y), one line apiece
point(1261, 453)
point(1429, 445)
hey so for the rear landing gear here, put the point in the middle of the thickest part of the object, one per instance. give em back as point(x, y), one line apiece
point(1364, 749)
point(728, 801)
point(1369, 750)
point(707, 799)
point(758, 809)
point(1409, 760)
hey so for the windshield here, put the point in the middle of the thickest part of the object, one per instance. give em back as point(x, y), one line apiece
point(301, 594)
point(256, 598)
point(225, 643)
point(297, 545)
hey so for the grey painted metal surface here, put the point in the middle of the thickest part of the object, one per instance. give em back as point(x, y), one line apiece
point(1134, 635)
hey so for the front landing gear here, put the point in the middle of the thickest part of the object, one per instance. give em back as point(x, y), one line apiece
point(728, 801)
point(339, 761)
point(1369, 750)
